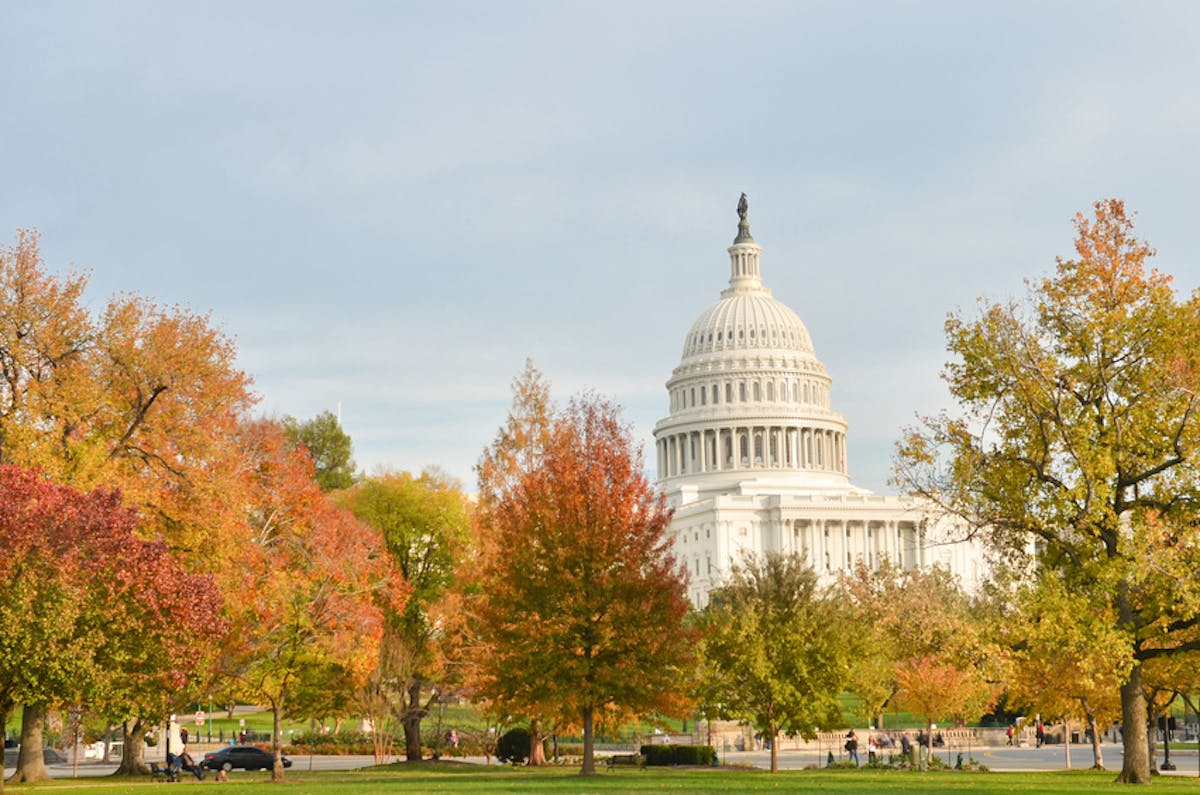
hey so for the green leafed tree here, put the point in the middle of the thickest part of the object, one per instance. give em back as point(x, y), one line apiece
point(328, 444)
point(1077, 441)
point(776, 649)
point(425, 522)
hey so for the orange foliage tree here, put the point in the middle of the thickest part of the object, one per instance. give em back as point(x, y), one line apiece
point(516, 450)
point(938, 690)
point(140, 398)
point(314, 582)
point(582, 604)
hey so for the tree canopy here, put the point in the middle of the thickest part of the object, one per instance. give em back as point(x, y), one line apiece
point(89, 612)
point(776, 649)
point(1077, 441)
point(581, 608)
point(328, 444)
point(315, 582)
point(425, 523)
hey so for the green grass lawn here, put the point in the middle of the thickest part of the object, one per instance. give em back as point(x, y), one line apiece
point(452, 778)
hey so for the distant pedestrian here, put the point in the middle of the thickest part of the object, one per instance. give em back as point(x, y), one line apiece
point(852, 746)
point(1041, 733)
point(1010, 732)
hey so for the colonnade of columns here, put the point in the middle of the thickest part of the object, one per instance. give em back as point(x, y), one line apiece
point(751, 447)
point(833, 545)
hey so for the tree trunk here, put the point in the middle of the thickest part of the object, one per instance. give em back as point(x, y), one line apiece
point(1067, 741)
point(589, 757)
point(537, 744)
point(31, 764)
point(1135, 767)
point(276, 736)
point(772, 736)
point(133, 753)
point(412, 723)
point(1097, 754)
point(1152, 736)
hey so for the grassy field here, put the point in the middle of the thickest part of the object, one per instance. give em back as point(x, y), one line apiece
point(452, 778)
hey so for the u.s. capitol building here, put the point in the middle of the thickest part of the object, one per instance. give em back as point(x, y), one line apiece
point(753, 457)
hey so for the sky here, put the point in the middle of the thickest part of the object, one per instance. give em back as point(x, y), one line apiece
point(391, 205)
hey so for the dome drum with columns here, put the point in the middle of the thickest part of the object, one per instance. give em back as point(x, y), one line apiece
point(753, 457)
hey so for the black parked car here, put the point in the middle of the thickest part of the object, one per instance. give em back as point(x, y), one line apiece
point(246, 757)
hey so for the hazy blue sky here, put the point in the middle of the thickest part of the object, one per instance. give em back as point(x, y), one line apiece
point(392, 205)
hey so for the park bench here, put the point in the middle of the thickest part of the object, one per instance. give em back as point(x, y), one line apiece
point(624, 759)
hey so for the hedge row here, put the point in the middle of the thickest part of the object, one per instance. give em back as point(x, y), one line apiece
point(703, 755)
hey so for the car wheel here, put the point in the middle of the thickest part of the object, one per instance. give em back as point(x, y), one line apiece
point(227, 767)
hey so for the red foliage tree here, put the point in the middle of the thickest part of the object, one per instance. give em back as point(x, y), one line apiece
point(89, 612)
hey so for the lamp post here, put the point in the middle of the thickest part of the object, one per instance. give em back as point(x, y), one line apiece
point(1166, 726)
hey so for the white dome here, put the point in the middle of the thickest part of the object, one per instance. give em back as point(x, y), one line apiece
point(749, 401)
point(747, 320)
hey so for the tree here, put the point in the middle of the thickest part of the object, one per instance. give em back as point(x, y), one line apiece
point(582, 608)
point(1078, 441)
point(517, 449)
point(329, 446)
point(140, 398)
point(937, 690)
point(91, 612)
point(317, 578)
point(424, 521)
point(907, 615)
point(1067, 656)
point(776, 649)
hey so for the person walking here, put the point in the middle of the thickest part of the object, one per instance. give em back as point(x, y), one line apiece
point(1041, 733)
point(1011, 732)
point(852, 746)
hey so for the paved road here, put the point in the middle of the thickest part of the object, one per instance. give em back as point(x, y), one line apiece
point(997, 758)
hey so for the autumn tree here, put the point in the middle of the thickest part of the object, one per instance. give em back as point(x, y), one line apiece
point(328, 445)
point(936, 689)
point(517, 449)
point(1077, 441)
point(910, 616)
point(315, 579)
point(776, 649)
point(582, 607)
point(424, 522)
point(142, 398)
point(1067, 657)
point(89, 612)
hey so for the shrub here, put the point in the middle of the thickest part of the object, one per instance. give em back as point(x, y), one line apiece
point(701, 755)
point(513, 746)
point(330, 744)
